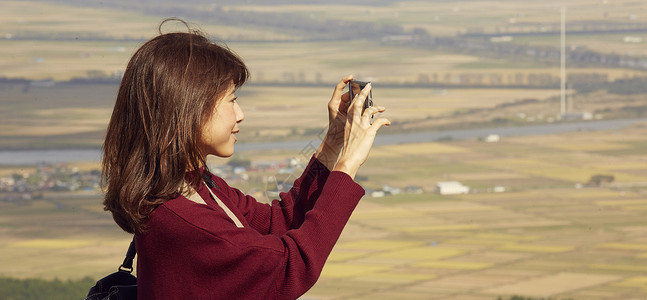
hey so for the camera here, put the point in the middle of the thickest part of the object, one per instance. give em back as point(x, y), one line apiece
point(355, 87)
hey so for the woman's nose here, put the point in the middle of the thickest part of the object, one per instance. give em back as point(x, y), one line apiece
point(240, 116)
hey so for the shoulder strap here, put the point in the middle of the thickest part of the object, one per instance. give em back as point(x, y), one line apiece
point(224, 207)
point(127, 265)
point(195, 197)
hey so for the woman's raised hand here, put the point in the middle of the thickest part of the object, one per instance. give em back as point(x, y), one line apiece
point(359, 133)
point(328, 151)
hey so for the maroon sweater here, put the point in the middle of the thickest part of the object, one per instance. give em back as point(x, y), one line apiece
point(195, 251)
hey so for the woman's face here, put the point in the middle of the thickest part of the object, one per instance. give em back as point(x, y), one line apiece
point(218, 133)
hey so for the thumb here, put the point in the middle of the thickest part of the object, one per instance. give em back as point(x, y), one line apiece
point(339, 88)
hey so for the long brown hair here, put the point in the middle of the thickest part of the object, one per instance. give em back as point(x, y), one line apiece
point(168, 92)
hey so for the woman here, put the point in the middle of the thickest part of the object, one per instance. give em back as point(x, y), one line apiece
point(196, 237)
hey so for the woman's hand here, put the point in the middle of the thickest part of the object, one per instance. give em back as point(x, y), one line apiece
point(328, 151)
point(359, 133)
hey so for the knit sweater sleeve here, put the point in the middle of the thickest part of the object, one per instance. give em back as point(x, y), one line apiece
point(288, 212)
point(217, 260)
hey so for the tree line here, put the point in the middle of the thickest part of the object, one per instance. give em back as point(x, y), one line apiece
point(582, 83)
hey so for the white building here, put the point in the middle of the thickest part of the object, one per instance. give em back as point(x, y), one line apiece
point(492, 138)
point(451, 188)
point(577, 116)
point(377, 194)
point(391, 190)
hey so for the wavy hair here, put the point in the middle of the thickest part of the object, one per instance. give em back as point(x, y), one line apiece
point(168, 92)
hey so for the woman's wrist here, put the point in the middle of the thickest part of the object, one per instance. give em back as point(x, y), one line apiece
point(348, 168)
point(328, 153)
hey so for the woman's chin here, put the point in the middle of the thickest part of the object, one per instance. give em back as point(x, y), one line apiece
point(225, 154)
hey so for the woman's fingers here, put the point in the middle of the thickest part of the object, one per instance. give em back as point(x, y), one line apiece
point(333, 142)
point(369, 112)
point(339, 101)
point(379, 123)
point(358, 103)
point(359, 133)
point(341, 85)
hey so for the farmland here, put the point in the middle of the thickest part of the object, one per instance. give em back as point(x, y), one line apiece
point(535, 223)
point(481, 245)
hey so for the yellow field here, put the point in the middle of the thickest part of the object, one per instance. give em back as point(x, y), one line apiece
point(393, 277)
point(52, 244)
point(39, 17)
point(458, 265)
point(626, 268)
point(70, 121)
point(555, 284)
point(378, 245)
point(541, 237)
point(21, 16)
point(592, 146)
point(448, 18)
point(62, 60)
point(418, 149)
point(317, 61)
point(344, 270)
point(542, 168)
point(261, 104)
point(559, 239)
point(622, 246)
point(415, 254)
point(479, 245)
point(637, 282)
point(506, 72)
point(61, 258)
point(535, 248)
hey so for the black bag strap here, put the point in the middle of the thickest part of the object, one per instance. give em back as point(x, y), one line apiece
point(127, 265)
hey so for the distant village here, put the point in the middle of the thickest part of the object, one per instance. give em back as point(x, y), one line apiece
point(267, 178)
point(48, 177)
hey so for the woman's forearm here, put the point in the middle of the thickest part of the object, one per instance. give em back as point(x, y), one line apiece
point(328, 152)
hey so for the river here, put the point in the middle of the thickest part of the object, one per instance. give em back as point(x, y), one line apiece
point(29, 157)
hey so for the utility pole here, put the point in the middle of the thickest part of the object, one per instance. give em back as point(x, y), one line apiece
point(563, 62)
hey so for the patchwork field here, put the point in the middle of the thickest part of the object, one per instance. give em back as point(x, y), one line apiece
point(548, 234)
point(68, 115)
point(543, 237)
point(447, 18)
point(70, 41)
point(553, 241)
